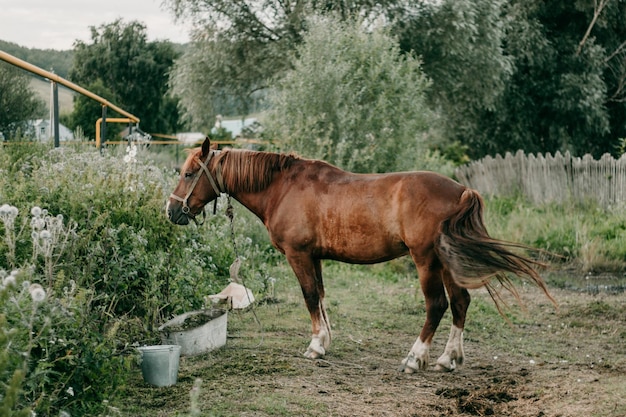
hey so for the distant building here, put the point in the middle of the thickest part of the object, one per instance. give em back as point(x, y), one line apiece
point(190, 138)
point(41, 130)
point(236, 126)
point(237, 129)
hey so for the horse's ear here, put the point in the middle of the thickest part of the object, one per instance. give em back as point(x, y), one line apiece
point(206, 146)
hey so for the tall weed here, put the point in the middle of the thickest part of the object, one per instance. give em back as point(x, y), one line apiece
point(583, 235)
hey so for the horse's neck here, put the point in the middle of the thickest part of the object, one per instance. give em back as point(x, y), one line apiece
point(255, 202)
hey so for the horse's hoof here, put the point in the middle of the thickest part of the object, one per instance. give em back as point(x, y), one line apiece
point(448, 364)
point(312, 354)
point(410, 365)
point(443, 368)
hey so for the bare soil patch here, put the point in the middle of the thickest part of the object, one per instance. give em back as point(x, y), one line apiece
point(546, 362)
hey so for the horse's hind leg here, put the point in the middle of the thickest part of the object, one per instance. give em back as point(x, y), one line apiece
point(309, 273)
point(453, 354)
point(430, 276)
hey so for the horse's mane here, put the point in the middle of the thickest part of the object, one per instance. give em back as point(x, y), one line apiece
point(252, 171)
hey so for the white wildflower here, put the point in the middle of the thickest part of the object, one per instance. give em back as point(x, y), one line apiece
point(131, 154)
point(35, 211)
point(8, 214)
point(37, 223)
point(70, 391)
point(9, 280)
point(45, 235)
point(37, 293)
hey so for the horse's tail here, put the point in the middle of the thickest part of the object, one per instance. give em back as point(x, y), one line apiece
point(474, 258)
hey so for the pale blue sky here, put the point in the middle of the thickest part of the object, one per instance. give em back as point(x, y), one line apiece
point(56, 24)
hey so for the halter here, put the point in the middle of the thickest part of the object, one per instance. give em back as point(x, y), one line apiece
point(218, 189)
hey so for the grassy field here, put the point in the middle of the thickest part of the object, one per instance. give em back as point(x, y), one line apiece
point(569, 361)
point(66, 96)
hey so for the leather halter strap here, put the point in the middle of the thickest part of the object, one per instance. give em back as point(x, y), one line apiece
point(204, 169)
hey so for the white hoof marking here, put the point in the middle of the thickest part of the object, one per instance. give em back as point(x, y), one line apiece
point(318, 345)
point(453, 353)
point(417, 359)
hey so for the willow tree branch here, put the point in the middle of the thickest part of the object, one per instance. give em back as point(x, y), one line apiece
point(597, 10)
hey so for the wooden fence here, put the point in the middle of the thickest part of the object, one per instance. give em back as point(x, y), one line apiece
point(543, 179)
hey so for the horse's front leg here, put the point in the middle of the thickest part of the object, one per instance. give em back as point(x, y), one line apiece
point(309, 273)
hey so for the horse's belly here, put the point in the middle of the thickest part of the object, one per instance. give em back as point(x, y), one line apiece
point(359, 246)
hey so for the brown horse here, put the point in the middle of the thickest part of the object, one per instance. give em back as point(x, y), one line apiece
point(313, 211)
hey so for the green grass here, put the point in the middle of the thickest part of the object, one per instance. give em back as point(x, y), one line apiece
point(583, 236)
point(43, 90)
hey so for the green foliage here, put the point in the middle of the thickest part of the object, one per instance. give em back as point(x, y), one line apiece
point(112, 266)
point(87, 111)
point(511, 75)
point(59, 359)
point(18, 102)
point(58, 62)
point(134, 70)
point(461, 43)
point(353, 100)
point(220, 76)
point(238, 49)
point(584, 235)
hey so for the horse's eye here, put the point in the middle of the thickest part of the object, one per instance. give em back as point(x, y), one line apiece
point(188, 174)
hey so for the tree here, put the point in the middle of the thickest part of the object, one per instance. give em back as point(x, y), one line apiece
point(18, 103)
point(58, 62)
point(87, 111)
point(532, 75)
point(134, 70)
point(352, 99)
point(222, 76)
point(461, 44)
point(240, 46)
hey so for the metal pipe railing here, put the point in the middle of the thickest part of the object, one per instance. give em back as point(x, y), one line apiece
point(53, 77)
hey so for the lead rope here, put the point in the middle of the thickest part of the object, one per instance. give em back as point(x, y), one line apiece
point(235, 271)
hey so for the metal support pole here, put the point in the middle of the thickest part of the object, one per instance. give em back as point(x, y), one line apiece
point(104, 127)
point(55, 113)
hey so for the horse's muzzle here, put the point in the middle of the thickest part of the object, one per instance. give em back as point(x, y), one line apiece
point(175, 214)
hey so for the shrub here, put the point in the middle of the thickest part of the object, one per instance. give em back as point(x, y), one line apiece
point(354, 100)
point(90, 229)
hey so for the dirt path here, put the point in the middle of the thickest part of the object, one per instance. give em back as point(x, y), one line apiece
point(570, 362)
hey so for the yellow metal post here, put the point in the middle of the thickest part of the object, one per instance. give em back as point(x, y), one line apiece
point(109, 120)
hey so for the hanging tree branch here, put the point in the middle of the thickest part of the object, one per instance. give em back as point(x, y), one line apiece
point(597, 10)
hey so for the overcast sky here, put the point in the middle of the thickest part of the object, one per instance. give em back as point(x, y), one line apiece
point(56, 24)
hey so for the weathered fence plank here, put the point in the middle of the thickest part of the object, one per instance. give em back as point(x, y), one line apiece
point(544, 179)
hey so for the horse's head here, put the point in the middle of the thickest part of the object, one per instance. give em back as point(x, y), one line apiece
point(196, 187)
